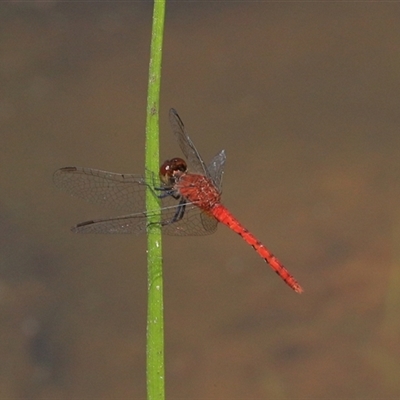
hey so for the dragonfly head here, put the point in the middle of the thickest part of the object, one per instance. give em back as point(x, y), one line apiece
point(172, 170)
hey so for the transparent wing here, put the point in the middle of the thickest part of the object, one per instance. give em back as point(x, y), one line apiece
point(127, 192)
point(216, 169)
point(193, 158)
point(194, 223)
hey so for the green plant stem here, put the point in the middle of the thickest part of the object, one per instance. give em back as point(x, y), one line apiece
point(155, 317)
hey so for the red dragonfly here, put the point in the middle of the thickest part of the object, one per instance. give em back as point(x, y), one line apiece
point(191, 201)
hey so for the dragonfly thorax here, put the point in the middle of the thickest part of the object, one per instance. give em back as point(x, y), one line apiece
point(172, 170)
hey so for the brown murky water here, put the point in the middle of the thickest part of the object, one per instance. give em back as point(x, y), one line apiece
point(304, 99)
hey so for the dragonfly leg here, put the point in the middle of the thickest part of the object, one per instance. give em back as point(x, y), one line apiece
point(165, 192)
point(179, 213)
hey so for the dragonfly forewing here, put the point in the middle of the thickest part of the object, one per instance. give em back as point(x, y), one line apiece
point(125, 192)
point(193, 157)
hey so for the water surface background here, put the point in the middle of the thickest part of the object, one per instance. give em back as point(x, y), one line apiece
point(304, 98)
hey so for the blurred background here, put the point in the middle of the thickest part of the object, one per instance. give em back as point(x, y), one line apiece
point(304, 98)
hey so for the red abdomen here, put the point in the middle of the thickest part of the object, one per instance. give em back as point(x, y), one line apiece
point(223, 215)
point(199, 190)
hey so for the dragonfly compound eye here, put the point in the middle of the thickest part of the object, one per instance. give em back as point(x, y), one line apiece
point(172, 169)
